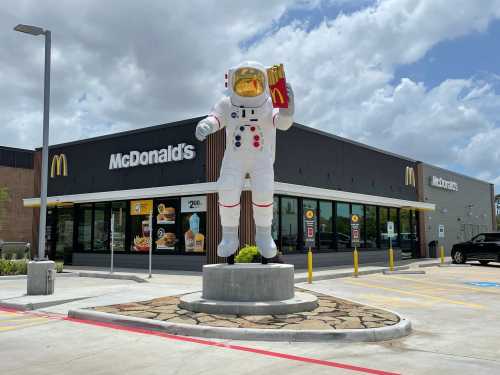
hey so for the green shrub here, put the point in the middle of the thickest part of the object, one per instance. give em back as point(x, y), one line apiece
point(248, 254)
point(59, 267)
point(13, 267)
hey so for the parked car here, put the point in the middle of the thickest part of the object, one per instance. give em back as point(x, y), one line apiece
point(484, 247)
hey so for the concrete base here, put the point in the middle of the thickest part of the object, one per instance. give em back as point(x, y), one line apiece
point(299, 303)
point(248, 282)
point(41, 277)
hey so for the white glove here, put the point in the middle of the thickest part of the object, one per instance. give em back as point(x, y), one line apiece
point(203, 130)
point(291, 103)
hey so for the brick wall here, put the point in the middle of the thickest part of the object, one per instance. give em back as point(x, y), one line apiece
point(16, 220)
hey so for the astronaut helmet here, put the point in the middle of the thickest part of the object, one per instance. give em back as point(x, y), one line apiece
point(247, 84)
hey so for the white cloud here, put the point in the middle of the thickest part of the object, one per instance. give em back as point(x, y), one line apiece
point(119, 65)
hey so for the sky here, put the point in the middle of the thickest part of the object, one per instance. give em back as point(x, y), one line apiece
point(420, 78)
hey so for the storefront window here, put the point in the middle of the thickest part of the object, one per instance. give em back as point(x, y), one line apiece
point(325, 225)
point(384, 216)
point(358, 210)
point(275, 225)
point(101, 227)
point(84, 215)
point(371, 226)
point(289, 224)
point(394, 217)
point(119, 210)
point(343, 222)
point(64, 242)
point(405, 227)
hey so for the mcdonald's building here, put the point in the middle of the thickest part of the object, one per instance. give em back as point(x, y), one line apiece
point(155, 188)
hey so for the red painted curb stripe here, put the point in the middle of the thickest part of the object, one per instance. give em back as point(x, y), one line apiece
point(234, 347)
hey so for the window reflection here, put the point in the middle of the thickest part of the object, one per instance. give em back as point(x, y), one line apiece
point(325, 225)
point(275, 224)
point(119, 210)
point(101, 228)
point(371, 226)
point(289, 224)
point(84, 214)
point(343, 222)
point(384, 215)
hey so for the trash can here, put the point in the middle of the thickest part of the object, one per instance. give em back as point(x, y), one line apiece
point(433, 246)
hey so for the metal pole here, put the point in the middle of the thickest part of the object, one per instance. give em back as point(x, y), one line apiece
point(112, 242)
point(356, 261)
point(391, 255)
point(150, 240)
point(45, 150)
point(309, 266)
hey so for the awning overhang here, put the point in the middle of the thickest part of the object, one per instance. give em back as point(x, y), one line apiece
point(211, 187)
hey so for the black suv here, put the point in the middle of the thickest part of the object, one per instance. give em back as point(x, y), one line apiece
point(484, 247)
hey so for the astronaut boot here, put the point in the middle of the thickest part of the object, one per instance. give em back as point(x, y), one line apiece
point(265, 243)
point(229, 243)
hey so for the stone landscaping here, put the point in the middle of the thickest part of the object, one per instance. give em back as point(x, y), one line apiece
point(331, 313)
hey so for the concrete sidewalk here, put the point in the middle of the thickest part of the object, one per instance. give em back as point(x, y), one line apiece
point(99, 288)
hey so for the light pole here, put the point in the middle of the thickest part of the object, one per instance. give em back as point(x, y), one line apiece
point(33, 30)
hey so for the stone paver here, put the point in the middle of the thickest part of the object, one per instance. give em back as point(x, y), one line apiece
point(331, 313)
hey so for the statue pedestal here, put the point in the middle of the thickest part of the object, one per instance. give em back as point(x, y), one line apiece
point(248, 289)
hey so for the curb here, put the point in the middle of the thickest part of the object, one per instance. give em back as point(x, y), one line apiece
point(302, 279)
point(409, 272)
point(435, 264)
point(455, 265)
point(38, 305)
point(398, 330)
point(98, 275)
point(21, 277)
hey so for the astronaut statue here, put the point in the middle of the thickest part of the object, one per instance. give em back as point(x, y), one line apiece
point(251, 121)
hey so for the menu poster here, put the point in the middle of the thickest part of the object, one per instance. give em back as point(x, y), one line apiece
point(165, 240)
point(194, 240)
point(166, 214)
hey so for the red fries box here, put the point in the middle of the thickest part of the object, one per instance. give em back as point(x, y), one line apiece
point(277, 86)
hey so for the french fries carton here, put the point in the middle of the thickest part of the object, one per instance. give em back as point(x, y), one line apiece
point(277, 86)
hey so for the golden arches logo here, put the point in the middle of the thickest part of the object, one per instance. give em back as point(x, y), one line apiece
point(409, 176)
point(275, 92)
point(309, 214)
point(354, 218)
point(59, 166)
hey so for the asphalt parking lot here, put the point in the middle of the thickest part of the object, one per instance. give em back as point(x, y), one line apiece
point(454, 312)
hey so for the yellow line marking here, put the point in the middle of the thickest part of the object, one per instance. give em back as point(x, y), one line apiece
point(471, 305)
point(21, 319)
point(11, 328)
point(440, 285)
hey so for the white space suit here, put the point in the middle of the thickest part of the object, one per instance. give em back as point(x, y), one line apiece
point(250, 121)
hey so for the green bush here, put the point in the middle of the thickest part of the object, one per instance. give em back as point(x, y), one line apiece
point(20, 267)
point(13, 267)
point(59, 267)
point(248, 254)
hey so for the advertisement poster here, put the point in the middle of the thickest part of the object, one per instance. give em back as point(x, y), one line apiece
point(194, 239)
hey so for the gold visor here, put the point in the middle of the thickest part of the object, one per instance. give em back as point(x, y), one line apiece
point(248, 82)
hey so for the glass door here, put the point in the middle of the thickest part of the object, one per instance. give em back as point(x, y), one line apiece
point(64, 243)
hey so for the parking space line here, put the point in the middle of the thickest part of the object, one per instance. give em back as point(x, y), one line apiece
point(450, 301)
point(441, 285)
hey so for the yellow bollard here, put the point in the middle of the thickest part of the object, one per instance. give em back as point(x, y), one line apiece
point(442, 254)
point(391, 259)
point(309, 266)
point(356, 261)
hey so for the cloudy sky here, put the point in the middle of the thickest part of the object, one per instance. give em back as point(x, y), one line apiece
point(416, 77)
